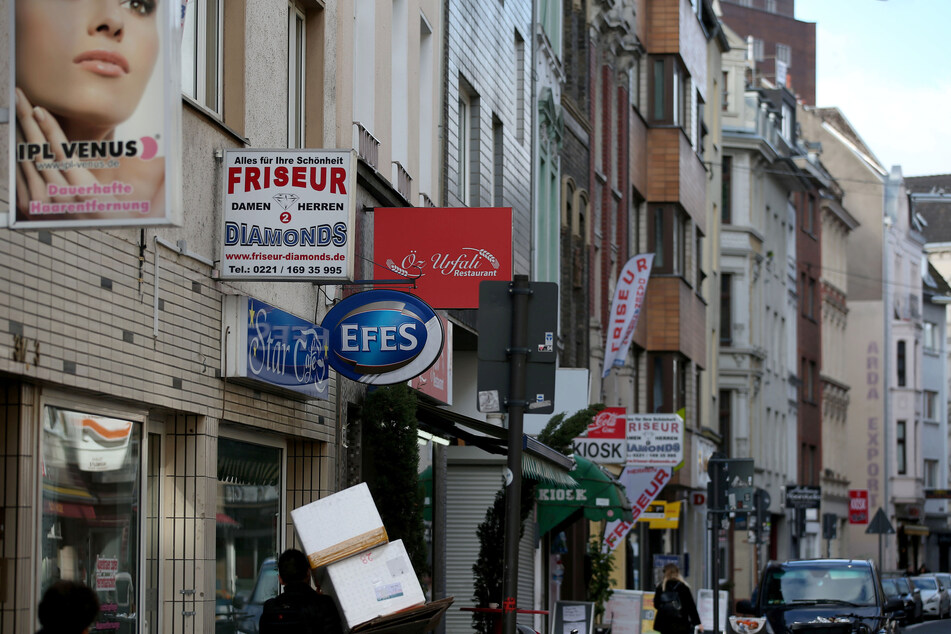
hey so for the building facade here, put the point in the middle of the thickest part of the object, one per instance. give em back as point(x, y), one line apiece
point(783, 49)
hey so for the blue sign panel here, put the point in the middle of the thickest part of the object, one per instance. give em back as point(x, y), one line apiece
point(383, 337)
point(280, 349)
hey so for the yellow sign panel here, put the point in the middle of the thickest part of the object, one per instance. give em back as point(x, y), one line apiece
point(670, 518)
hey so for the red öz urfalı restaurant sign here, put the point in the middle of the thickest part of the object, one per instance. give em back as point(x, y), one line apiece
point(382, 337)
point(289, 215)
point(450, 249)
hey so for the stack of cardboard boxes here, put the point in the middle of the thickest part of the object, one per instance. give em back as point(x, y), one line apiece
point(355, 563)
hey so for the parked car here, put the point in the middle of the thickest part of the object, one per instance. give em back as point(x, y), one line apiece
point(800, 591)
point(945, 579)
point(934, 596)
point(911, 597)
point(248, 609)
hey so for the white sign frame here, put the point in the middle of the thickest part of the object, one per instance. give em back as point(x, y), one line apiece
point(655, 440)
point(288, 215)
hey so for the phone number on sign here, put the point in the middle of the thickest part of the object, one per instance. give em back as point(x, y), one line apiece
point(286, 270)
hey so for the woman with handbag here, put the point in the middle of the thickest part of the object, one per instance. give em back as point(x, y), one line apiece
point(675, 611)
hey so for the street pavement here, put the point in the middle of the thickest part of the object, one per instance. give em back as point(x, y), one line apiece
point(929, 627)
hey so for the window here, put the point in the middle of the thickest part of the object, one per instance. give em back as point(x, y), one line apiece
point(931, 474)
point(498, 161)
point(698, 262)
point(202, 53)
point(668, 231)
point(930, 336)
point(900, 452)
point(930, 408)
point(669, 382)
point(783, 53)
point(758, 49)
point(462, 140)
point(247, 519)
point(634, 80)
point(91, 500)
point(901, 364)
point(771, 6)
point(726, 192)
point(521, 97)
point(725, 94)
point(811, 298)
point(426, 117)
point(659, 88)
point(809, 213)
point(726, 309)
point(295, 76)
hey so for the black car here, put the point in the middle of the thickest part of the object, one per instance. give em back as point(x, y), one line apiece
point(801, 591)
point(910, 596)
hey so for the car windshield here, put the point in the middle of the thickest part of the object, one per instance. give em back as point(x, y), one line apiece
point(926, 583)
point(268, 584)
point(820, 584)
point(902, 584)
point(890, 586)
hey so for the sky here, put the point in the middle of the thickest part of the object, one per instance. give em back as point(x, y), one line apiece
point(886, 64)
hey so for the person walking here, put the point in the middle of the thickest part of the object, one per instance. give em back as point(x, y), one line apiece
point(299, 608)
point(675, 611)
point(67, 607)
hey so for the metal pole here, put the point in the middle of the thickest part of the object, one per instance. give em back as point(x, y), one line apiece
point(715, 539)
point(518, 357)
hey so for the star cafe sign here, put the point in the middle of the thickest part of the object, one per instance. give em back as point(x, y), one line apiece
point(264, 345)
point(382, 337)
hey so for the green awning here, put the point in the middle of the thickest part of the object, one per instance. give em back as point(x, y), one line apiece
point(600, 497)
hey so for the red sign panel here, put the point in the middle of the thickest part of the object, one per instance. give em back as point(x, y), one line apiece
point(611, 422)
point(437, 380)
point(451, 249)
point(858, 506)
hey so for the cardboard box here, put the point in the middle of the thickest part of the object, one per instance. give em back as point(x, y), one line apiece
point(339, 525)
point(375, 583)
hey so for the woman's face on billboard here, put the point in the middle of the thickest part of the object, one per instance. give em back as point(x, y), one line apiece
point(86, 61)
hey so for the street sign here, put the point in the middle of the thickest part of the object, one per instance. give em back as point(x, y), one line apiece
point(494, 322)
point(803, 497)
point(829, 525)
point(880, 524)
point(734, 477)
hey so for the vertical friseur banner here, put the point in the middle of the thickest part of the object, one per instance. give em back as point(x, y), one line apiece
point(628, 299)
point(642, 484)
point(95, 102)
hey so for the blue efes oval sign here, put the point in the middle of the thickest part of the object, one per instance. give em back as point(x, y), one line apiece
point(383, 337)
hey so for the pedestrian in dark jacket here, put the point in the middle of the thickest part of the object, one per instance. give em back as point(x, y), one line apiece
point(299, 608)
point(668, 620)
point(67, 607)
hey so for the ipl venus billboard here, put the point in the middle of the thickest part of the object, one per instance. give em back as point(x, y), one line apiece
point(95, 102)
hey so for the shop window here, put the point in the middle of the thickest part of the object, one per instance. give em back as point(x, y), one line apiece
point(247, 519)
point(90, 526)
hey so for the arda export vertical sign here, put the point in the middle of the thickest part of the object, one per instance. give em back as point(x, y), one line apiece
point(288, 215)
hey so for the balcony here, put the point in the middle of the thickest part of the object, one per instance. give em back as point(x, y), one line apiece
point(367, 145)
point(402, 179)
